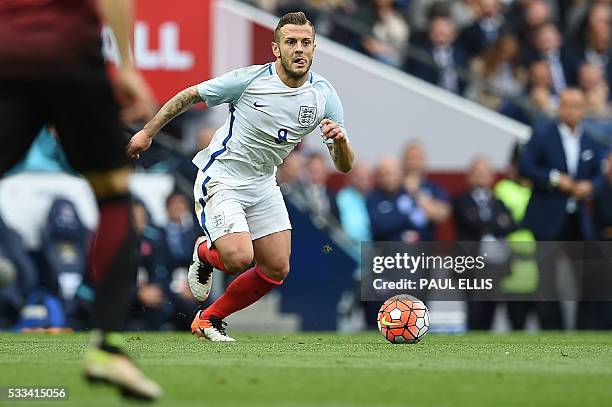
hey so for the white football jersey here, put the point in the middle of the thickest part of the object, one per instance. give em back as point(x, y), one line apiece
point(266, 121)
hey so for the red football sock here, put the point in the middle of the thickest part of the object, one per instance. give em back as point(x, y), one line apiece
point(212, 256)
point(247, 288)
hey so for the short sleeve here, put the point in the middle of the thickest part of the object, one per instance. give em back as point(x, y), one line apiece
point(229, 87)
point(333, 107)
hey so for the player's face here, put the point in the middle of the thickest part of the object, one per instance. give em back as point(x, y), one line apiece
point(295, 49)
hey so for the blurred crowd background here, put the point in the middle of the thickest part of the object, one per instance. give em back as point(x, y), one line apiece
point(515, 57)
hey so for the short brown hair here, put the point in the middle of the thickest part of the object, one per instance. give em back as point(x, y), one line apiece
point(298, 18)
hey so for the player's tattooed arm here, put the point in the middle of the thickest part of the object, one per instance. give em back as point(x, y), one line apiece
point(175, 106)
point(142, 140)
point(340, 150)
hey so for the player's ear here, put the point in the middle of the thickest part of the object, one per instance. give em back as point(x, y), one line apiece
point(275, 49)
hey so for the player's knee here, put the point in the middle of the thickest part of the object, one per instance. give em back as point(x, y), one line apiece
point(237, 261)
point(277, 270)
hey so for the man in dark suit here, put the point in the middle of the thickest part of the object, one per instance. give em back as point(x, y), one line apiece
point(478, 213)
point(442, 59)
point(564, 163)
point(482, 33)
point(547, 47)
point(481, 217)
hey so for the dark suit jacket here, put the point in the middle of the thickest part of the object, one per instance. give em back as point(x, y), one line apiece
point(470, 227)
point(472, 39)
point(428, 71)
point(574, 55)
point(546, 212)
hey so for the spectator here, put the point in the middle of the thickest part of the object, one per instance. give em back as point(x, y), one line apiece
point(430, 199)
point(319, 198)
point(390, 207)
point(480, 216)
point(502, 72)
point(389, 32)
point(151, 305)
point(525, 15)
point(595, 88)
point(180, 232)
point(442, 53)
point(463, 12)
point(547, 47)
point(352, 207)
point(289, 174)
point(478, 213)
point(592, 45)
point(514, 192)
point(64, 241)
point(564, 164)
point(541, 95)
point(483, 33)
point(15, 261)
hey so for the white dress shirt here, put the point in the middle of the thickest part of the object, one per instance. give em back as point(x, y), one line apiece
point(571, 147)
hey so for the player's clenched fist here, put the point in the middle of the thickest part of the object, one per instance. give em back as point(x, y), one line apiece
point(331, 130)
point(140, 142)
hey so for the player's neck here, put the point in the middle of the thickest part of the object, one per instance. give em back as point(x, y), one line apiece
point(286, 79)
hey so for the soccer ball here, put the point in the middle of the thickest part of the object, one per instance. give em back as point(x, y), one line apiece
point(403, 319)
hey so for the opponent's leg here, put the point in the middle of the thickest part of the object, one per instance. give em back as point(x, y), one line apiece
point(112, 266)
point(91, 135)
point(20, 121)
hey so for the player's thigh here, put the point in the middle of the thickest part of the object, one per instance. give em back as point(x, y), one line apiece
point(21, 118)
point(271, 233)
point(269, 215)
point(87, 119)
point(220, 212)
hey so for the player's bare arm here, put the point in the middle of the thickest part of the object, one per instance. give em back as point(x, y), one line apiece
point(341, 152)
point(142, 140)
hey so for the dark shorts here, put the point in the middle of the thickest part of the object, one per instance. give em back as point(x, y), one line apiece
point(81, 107)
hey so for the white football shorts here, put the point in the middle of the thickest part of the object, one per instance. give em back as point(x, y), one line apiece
point(258, 208)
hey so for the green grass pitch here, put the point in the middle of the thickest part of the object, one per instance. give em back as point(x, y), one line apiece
point(332, 370)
